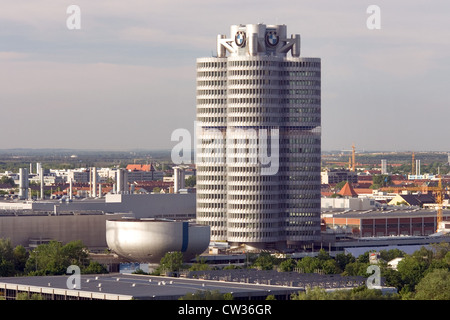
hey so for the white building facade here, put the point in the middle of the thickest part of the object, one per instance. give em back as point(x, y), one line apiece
point(259, 140)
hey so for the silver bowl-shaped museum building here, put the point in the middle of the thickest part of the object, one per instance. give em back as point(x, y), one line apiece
point(148, 240)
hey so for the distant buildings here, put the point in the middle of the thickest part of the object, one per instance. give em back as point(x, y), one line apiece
point(334, 176)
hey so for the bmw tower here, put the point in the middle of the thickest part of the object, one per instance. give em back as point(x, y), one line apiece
point(258, 141)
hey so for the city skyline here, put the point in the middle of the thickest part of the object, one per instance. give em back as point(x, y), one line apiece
point(110, 85)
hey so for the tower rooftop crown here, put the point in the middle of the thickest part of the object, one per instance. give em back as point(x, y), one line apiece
point(258, 39)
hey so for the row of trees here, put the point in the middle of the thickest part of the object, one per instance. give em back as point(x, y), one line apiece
point(424, 274)
point(52, 258)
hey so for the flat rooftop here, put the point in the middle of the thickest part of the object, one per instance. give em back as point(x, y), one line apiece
point(140, 287)
point(388, 213)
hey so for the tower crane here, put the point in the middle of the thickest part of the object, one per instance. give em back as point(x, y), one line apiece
point(351, 160)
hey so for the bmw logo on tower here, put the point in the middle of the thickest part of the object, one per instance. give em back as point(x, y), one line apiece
point(272, 38)
point(240, 39)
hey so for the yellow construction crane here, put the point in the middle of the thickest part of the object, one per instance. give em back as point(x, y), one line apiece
point(438, 192)
point(351, 159)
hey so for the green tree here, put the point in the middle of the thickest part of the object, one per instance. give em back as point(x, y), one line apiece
point(207, 295)
point(6, 249)
point(172, 261)
point(440, 249)
point(411, 272)
point(359, 293)
point(388, 255)
point(315, 293)
point(287, 265)
point(94, 267)
point(343, 259)
point(330, 267)
point(53, 258)
point(156, 190)
point(231, 267)
point(356, 268)
point(265, 261)
point(76, 253)
point(7, 180)
point(381, 180)
point(309, 264)
point(323, 255)
point(25, 296)
point(20, 257)
point(46, 259)
point(434, 286)
point(200, 265)
point(191, 181)
point(6, 258)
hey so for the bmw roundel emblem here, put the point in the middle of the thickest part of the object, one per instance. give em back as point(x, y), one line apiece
point(272, 38)
point(240, 38)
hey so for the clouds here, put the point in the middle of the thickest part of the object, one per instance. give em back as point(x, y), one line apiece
point(132, 67)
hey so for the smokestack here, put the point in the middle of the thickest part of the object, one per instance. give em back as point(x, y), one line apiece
point(71, 189)
point(94, 182)
point(122, 181)
point(179, 179)
point(41, 178)
point(23, 183)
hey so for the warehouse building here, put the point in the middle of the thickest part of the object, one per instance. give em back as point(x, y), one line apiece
point(377, 223)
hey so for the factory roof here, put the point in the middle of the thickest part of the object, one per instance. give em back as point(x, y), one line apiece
point(141, 287)
point(387, 213)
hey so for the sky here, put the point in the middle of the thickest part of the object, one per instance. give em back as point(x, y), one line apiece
point(126, 78)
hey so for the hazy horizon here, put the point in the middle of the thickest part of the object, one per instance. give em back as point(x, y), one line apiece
point(126, 79)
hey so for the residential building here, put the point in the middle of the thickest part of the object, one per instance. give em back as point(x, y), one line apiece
point(334, 176)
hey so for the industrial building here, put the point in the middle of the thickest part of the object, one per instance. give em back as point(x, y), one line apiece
point(253, 97)
point(242, 284)
point(392, 222)
point(26, 222)
point(30, 230)
point(135, 287)
point(169, 205)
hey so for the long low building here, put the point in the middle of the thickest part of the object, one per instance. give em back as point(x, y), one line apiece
point(137, 287)
point(30, 223)
point(378, 223)
point(171, 205)
point(30, 230)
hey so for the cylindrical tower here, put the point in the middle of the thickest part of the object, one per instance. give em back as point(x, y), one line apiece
point(253, 109)
point(210, 145)
point(23, 183)
point(301, 150)
point(259, 101)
